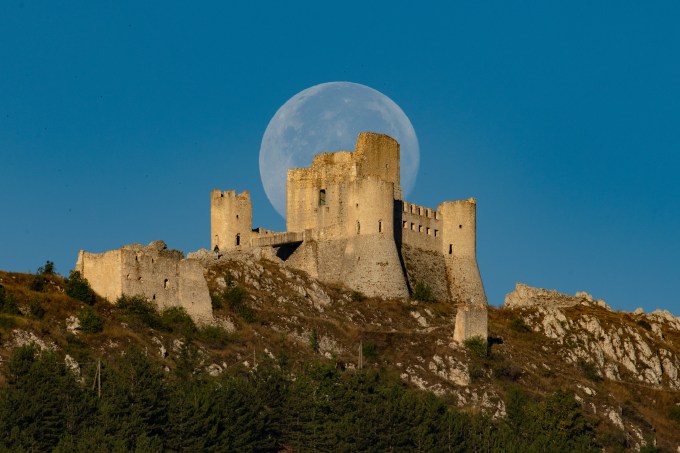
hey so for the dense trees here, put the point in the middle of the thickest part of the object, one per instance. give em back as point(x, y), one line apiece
point(43, 407)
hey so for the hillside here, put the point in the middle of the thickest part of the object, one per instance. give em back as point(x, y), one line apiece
point(622, 368)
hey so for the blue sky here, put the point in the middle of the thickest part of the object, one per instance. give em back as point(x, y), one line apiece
point(561, 118)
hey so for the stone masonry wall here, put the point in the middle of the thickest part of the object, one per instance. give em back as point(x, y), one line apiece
point(159, 275)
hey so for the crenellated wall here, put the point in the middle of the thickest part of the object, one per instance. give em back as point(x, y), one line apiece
point(357, 231)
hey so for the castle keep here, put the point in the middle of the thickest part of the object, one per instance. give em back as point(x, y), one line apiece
point(347, 223)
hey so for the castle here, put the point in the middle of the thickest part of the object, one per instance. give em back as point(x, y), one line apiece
point(346, 223)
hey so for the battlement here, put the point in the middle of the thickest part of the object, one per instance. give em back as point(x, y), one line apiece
point(346, 223)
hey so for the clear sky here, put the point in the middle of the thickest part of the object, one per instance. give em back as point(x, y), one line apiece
point(561, 118)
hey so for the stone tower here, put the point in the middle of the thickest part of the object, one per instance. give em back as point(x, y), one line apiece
point(231, 219)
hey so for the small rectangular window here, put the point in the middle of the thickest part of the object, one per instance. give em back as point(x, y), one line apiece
point(413, 227)
point(428, 231)
point(322, 197)
point(405, 224)
point(420, 228)
point(436, 233)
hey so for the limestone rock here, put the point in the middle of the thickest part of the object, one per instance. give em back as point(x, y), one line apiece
point(527, 296)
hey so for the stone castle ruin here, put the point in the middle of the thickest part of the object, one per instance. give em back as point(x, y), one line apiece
point(346, 223)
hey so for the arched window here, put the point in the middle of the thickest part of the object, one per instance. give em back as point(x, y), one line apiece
point(238, 239)
point(165, 283)
point(322, 197)
point(450, 249)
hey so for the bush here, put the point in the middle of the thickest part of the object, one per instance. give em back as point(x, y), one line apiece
point(7, 303)
point(589, 370)
point(505, 371)
point(35, 309)
point(37, 283)
point(369, 350)
point(47, 269)
point(422, 292)
point(674, 413)
point(477, 346)
point(140, 309)
point(216, 301)
point(518, 325)
point(79, 288)
point(214, 336)
point(314, 341)
point(176, 319)
point(90, 322)
point(235, 297)
point(644, 324)
point(7, 323)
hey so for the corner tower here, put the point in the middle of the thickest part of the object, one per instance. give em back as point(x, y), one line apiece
point(459, 247)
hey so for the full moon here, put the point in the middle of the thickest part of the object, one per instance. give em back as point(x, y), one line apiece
point(326, 118)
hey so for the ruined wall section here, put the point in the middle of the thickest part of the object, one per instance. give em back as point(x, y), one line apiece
point(231, 220)
point(103, 272)
point(316, 197)
point(161, 276)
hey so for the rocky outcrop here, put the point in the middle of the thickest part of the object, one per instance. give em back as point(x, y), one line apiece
point(527, 296)
point(613, 347)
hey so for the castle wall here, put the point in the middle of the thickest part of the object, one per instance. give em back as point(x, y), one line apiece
point(102, 271)
point(427, 267)
point(231, 220)
point(421, 227)
point(161, 276)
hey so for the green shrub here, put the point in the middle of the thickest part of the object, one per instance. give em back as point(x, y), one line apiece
point(589, 370)
point(79, 288)
point(141, 309)
point(314, 341)
point(477, 346)
point(369, 350)
point(90, 322)
point(47, 269)
point(37, 283)
point(176, 319)
point(35, 309)
point(214, 336)
point(674, 413)
point(7, 303)
point(422, 292)
point(216, 301)
point(505, 371)
point(7, 322)
point(518, 325)
point(644, 324)
point(234, 296)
